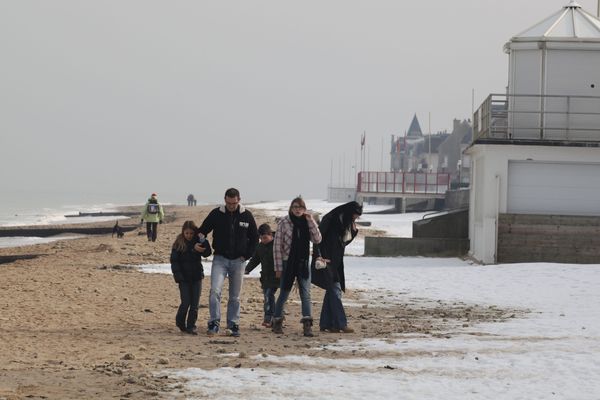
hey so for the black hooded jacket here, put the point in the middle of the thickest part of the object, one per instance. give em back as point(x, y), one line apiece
point(234, 234)
point(187, 265)
point(334, 227)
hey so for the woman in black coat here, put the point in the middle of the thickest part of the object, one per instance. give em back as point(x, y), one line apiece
point(188, 272)
point(338, 229)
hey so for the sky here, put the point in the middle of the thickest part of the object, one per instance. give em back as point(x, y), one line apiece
point(113, 100)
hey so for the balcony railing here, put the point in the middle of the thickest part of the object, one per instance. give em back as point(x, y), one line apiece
point(403, 182)
point(538, 117)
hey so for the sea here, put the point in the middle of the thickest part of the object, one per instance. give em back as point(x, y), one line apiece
point(41, 210)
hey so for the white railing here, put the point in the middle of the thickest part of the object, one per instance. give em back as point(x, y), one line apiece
point(538, 117)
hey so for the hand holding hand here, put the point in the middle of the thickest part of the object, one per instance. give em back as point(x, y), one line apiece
point(199, 248)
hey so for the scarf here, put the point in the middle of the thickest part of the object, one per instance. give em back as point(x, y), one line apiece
point(297, 264)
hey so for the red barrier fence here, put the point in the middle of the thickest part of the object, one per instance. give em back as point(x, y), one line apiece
point(403, 182)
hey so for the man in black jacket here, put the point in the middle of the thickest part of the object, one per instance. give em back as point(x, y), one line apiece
point(234, 239)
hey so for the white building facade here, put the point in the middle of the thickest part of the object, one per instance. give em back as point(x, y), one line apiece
point(536, 148)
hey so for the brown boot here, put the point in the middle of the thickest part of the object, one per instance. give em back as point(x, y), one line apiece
point(347, 329)
point(277, 325)
point(307, 326)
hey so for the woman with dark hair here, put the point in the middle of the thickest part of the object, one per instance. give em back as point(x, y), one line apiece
point(291, 251)
point(338, 228)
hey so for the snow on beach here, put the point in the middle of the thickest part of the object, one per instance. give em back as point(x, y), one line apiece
point(6, 242)
point(550, 350)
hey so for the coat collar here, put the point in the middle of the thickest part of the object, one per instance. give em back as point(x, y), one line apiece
point(241, 208)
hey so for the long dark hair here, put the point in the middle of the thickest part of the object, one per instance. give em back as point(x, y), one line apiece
point(297, 200)
point(349, 209)
point(180, 243)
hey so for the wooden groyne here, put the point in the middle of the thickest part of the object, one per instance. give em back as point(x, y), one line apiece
point(60, 230)
point(10, 258)
point(103, 214)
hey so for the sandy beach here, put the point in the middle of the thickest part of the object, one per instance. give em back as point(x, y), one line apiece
point(79, 322)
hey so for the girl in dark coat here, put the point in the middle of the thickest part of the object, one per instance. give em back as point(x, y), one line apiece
point(188, 272)
point(338, 229)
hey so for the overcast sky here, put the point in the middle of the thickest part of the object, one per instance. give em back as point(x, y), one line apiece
point(116, 99)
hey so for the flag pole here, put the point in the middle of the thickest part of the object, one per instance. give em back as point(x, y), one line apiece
point(381, 163)
point(362, 151)
point(429, 160)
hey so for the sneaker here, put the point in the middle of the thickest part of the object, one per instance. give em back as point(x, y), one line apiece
point(213, 328)
point(234, 331)
point(181, 327)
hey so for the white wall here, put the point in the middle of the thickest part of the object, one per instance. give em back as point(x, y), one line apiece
point(563, 188)
point(573, 72)
point(489, 187)
point(525, 77)
point(554, 68)
point(340, 194)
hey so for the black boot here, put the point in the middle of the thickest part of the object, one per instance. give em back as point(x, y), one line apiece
point(277, 325)
point(307, 323)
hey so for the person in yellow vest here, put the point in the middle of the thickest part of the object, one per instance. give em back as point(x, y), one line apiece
point(153, 214)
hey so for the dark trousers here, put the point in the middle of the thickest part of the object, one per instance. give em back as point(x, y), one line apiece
point(269, 304)
point(190, 297)
point(152, 230)
point(333, 315)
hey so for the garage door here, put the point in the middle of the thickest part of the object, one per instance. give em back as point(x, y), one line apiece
point(553, 188)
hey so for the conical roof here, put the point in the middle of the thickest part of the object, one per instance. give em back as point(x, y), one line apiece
point(415, 128)
point(570, 23)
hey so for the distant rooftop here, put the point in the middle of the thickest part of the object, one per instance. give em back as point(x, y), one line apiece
point(569, 23)
point(415, 128)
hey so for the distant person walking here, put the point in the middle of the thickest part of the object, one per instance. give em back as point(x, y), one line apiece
point(153, 214)
point(338, 228)
point(292, 253)
point(268, 281)
point(188, 272)
point(234, 240)
point(191, 200)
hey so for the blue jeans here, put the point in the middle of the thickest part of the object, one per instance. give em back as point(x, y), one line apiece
point(234, 269)
point(269, 305)
point(189, 292)
point(284, 294)
point(333, 315)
